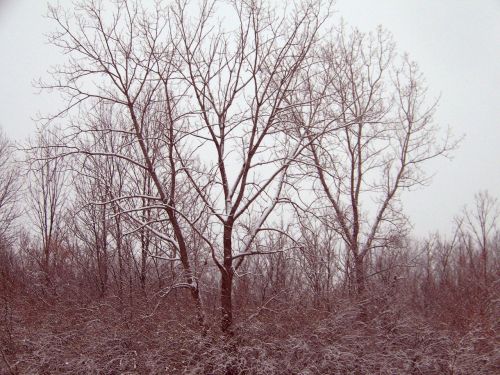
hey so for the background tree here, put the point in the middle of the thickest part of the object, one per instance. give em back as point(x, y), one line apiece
point(9, 187)
point(47, 197)
point(480, 225)
point(10, 183)
point(376, 132)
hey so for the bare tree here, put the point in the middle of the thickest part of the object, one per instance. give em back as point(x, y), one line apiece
point(47, 196)
point(9, 187)
point(116, 60)
point(479, 224)
point(320, 259)
point(179, 90)
point(239, 80)
point(376, 132)
point(9, 213)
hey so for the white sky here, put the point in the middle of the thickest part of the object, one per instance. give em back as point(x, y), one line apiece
point(455, 42)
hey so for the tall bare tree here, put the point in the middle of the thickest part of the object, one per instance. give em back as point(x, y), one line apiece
point(116, 57)
point(197, 107)
point(376, 132)
point(239, 79)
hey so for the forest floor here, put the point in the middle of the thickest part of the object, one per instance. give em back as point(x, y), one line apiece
point(73, 337)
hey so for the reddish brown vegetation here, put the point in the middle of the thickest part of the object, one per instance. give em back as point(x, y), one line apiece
point(426, 322)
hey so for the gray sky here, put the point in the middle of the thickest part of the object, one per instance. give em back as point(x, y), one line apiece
point(455, 42)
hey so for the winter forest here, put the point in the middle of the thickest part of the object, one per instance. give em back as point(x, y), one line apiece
point(221, 194)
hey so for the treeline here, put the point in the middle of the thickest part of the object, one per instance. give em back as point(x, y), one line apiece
point(221, 194)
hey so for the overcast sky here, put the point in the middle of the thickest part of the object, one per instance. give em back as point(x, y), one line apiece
point(455, 42)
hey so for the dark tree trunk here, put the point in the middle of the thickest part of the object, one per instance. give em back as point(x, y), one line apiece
point(359, 270)
point(144, 257)
point(227, 273)
point(226, 301)
point(188, 272)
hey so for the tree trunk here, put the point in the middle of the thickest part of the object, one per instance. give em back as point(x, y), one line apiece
point(144, 255)
point(226, 301)
point(46, 261)
point(359, 270)
point(227, 281)
point(188, 272)
point(102, 255)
